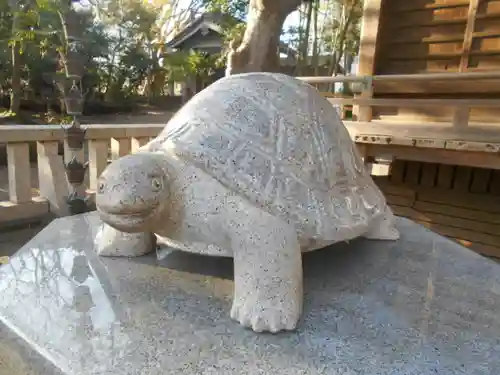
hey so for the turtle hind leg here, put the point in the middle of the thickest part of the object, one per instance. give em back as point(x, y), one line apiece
point(383, 228)
point(267, 276)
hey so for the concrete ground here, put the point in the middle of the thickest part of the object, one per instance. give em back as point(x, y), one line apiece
point(13, 239)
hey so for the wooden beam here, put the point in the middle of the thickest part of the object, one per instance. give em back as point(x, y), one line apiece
point(442, 156)
point(367, 50)
point(361, 76)
point(481, 140)
point(39, 133)
point(461, 115)
point(423, 83)
point(419, 5)
point(12, 213)
point(469, 32)
point(462, 103)
point(369, 36)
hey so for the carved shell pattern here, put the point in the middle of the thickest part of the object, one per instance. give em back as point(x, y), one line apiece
point(279, 143)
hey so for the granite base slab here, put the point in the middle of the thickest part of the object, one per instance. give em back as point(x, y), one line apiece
point(420, 305)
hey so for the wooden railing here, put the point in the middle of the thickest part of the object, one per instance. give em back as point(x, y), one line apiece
point(455, 143)
point(365, 100)
point(103, 142)
point(420, 140)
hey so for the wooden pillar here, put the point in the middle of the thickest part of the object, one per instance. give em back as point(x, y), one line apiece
point(461, 114)
point(367, 50)
point(469, 30)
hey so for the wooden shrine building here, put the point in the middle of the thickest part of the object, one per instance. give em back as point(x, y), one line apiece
point(432, 106)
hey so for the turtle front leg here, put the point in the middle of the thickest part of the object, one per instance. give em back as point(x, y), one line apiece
point(267, 276)
point(114, 243)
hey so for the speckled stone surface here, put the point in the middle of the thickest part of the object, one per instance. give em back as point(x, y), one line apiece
point(17, 357)
point(257, 166)
point(419, 305)
point(111, 242)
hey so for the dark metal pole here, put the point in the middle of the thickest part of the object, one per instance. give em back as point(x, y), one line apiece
point(71, 88)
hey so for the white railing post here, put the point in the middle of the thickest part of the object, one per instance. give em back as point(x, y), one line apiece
point(120, 147)
point(19, 172)
point(52, 181)
point(138, 142)
point(98, 159)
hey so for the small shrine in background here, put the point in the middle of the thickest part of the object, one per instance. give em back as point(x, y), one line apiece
point(205, 34)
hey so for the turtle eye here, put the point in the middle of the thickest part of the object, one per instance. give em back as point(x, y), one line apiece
point(156, 183)
point(100, 187)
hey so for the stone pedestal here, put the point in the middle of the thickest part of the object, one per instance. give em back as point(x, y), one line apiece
point(419, 305)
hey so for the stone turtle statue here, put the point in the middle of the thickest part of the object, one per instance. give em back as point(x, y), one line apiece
point(257, 166)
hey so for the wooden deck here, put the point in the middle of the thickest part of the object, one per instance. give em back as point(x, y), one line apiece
point(461, 203)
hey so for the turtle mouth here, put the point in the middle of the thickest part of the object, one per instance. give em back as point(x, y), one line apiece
point(138, 212)
point(131, 221)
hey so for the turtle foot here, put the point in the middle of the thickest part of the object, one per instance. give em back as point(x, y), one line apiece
point(388, 234)
point(384, 229)
point(113, 243)
point(266, 316)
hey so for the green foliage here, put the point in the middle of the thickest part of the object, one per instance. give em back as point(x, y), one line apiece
point(343, 33)
point(184, 64)
point(123, 42)
point(235, 8)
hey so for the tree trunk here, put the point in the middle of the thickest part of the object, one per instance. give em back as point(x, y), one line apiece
point(315, 51)
point(300, 41)
point(15, 96)
point(307, 34)
point(258, 50)
point(347, 19)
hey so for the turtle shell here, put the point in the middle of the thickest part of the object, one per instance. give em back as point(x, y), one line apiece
point(280, 144)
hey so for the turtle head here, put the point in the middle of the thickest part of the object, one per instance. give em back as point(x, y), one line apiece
point(133, 191)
